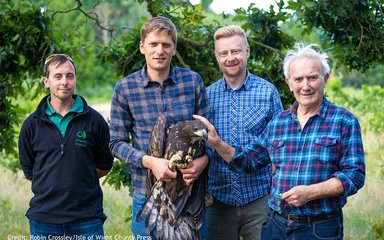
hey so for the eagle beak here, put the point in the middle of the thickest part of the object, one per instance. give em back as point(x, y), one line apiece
point(202, 133)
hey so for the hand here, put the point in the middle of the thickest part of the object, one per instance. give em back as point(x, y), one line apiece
point(297, 196)
point(225, 150)
point(213, 137)
point(159, 167)
point(191, 174)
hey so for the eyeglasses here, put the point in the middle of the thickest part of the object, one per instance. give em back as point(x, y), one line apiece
point(234, 52)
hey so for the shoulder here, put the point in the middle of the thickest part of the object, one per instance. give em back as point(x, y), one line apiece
point(91, 113)
point(95, 115)
point(256, 81)
point(185, 73)
point(29, 121)
point(216, 86)
point(341, 113)
point(132, 79)
point(282, 117)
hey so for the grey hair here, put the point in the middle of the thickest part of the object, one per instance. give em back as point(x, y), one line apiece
point(309, 51)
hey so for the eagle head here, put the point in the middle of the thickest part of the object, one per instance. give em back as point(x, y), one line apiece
point(194, 130)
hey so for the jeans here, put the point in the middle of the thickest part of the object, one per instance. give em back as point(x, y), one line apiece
point(278, 227)
point(91, 228)
point(231, 222)
point(139, 230)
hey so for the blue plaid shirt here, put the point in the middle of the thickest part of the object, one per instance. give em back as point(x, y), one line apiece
point(239, 116)
point(328, 146)
point(136, 103)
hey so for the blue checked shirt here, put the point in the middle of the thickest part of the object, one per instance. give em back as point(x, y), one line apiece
point(136, 103)
point(239, 116)
point(328, 146)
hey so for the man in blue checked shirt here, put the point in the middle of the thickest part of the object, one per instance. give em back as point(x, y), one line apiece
point(159, 87)
point(317, 149)
point(242, 104)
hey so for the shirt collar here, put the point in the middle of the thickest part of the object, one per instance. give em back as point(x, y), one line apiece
point(77, 107)
point(245, 85)
point(146, 80)
point(320, 112)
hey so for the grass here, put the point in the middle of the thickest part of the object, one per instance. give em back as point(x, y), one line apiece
point(15, 193)
point(364, 211)
point(363, 214)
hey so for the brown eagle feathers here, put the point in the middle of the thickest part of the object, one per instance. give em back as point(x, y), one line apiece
point(173, 210)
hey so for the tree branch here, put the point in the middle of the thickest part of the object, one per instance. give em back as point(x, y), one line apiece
point(264, 45)
point(193, 43)
point(183, 64)
point(90, 15)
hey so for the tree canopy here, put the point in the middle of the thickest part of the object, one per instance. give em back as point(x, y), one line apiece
point(103, 38)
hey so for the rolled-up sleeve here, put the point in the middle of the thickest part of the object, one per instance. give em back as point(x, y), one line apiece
point(250, 158)
point(352, 163)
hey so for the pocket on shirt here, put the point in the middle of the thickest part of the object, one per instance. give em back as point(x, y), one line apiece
point(327, 149)
point(255, 119)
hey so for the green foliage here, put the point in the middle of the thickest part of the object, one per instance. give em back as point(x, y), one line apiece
point(357, 79)
point(267, 42)
point(120, 175)
point(82, 45)
point(368, 105)
point(353, 29)
point(24, 42)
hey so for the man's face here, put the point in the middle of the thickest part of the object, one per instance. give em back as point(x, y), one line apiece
point(307, 82)
point(61, 80)
point(232, 54)
point(158, 49)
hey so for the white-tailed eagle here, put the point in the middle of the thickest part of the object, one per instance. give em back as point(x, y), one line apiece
point(173, 210)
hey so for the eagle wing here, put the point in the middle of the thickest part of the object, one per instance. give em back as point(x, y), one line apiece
point(173, 210)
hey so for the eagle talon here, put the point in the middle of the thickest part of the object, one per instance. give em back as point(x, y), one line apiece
point(174, 162)
point(167, 201)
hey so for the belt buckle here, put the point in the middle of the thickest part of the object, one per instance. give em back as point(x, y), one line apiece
point(293, 218)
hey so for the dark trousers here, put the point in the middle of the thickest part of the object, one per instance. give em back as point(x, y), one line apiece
point(278, 227)
point(230, 222)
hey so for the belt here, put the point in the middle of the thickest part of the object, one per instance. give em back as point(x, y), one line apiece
point(308, 218)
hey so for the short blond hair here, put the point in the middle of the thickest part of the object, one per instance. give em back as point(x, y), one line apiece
point(229, 31)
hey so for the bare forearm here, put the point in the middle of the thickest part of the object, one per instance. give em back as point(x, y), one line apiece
point(147, 160)
point(330, 188)
point(224, 150)
point(300, 195)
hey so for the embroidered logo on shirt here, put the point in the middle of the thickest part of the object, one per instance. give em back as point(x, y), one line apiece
point(81, 139)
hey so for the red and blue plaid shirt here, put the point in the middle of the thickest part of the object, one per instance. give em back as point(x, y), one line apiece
point(329, 145)
point(136, 103)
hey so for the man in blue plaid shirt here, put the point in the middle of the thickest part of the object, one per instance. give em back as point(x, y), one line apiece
point(316, 148)
point(159, 87)
point(242, 104)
